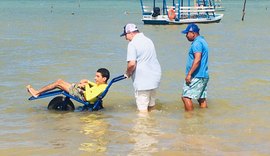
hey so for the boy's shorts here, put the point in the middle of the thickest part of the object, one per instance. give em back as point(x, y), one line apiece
point(74, 90)
point(197, 89)
point(145, 98)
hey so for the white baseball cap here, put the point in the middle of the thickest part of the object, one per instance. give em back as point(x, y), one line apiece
point(129, 28)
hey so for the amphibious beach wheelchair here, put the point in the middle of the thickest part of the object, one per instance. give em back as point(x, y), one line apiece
point(63, 103)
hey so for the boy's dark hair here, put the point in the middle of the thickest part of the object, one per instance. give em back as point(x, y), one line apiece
point(104, 73)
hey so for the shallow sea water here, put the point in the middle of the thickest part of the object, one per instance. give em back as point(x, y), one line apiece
point(41, 41)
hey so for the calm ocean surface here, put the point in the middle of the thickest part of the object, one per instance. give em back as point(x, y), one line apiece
point(43, 40)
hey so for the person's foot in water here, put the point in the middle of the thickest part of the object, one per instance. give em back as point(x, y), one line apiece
point(32, 91)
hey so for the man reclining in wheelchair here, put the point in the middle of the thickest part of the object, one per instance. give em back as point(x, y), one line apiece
point(85, 90)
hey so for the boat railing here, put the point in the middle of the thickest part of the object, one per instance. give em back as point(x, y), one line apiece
point(147, 10)
point(170, 7)
point(184, 9)
point(197, 7)
point(192, 9)
point(198, 11)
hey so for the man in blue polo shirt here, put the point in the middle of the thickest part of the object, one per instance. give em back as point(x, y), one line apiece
point(195, 86)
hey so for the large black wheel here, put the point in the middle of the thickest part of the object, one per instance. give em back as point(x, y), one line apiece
point(61, 103)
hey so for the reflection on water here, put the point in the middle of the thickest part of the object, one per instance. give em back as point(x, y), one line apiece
point(195, 135)
point(143, 135)
point(94, 128)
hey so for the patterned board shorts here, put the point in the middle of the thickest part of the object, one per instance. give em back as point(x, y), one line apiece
point(197, 89)
point(74, 90)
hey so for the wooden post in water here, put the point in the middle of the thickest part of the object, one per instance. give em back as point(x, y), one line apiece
point(244, 8)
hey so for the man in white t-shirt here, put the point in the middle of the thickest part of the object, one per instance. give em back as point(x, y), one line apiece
point(142, 66)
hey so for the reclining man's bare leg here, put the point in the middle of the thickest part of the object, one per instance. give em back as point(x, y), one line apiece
point(61, 84)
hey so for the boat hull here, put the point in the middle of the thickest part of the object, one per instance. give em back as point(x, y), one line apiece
point(164, 20)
